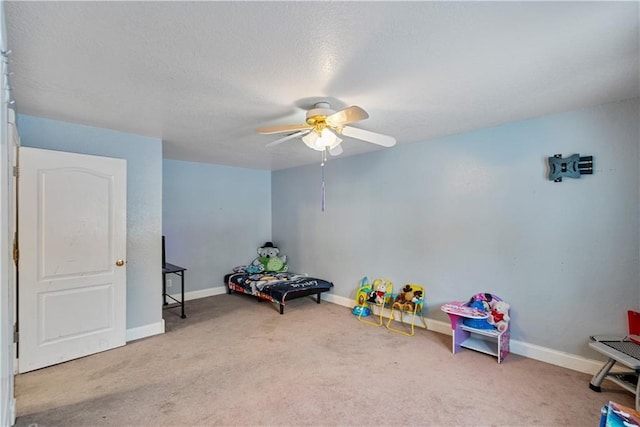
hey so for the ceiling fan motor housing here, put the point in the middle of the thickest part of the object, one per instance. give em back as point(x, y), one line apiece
point(318, 113)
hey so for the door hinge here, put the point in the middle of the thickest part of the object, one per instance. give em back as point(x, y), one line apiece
point(16, 334)
point(16, 171)
point(16, 251)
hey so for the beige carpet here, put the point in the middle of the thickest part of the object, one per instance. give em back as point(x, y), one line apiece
point(235, 361)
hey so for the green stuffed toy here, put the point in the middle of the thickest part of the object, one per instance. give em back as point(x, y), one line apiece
point(268, 258)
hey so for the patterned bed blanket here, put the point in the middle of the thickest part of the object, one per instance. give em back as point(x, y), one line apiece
point(277, 287)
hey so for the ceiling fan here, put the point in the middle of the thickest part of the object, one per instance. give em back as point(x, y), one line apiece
point(322, 127)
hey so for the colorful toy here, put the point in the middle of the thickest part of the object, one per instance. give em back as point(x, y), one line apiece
point(380, 295)
point(254, 269)
point(376, 296)
point(499, 316)
point(269, 260)
point(482, 311)
point(361, 309)
point(481, 302)
point(463, 308)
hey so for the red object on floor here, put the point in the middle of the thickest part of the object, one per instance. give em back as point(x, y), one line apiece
point(634, 326)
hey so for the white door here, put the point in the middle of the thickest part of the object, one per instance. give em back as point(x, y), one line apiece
point(72, 266)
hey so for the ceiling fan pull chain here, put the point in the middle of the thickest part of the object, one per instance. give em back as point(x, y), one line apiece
point(324, 159)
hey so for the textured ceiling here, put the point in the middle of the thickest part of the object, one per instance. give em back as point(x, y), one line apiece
point(203, 75)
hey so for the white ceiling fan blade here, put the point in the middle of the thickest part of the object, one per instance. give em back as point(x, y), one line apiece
point(346, 116)
point(282, 128)
point(288, 137)
point(365, 135)
point(336, 151)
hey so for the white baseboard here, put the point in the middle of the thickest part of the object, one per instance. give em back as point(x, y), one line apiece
point(202, 293)
point(158, 328)
point(145, 331)
point(532, 351)
point(558, 358)
point(337, 299)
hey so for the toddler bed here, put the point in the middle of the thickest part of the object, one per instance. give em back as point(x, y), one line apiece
point(276, 287)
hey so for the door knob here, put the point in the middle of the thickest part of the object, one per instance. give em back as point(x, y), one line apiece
point(119, 263)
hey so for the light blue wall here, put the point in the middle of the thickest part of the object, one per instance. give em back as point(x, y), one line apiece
point(144, 201)
point(214, 218)
point(475, 213)
point(462, 214)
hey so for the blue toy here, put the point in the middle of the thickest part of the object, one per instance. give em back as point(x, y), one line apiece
point(361, 309)
point(481, 305)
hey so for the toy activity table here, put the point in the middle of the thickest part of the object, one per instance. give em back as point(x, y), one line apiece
point(618, 350)
point(488, 341)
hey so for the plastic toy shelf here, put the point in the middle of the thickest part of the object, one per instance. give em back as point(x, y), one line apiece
point(486, 341)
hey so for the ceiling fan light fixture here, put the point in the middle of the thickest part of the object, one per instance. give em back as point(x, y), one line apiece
point(324, 127)
point(310, 139)
point(326, 139)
